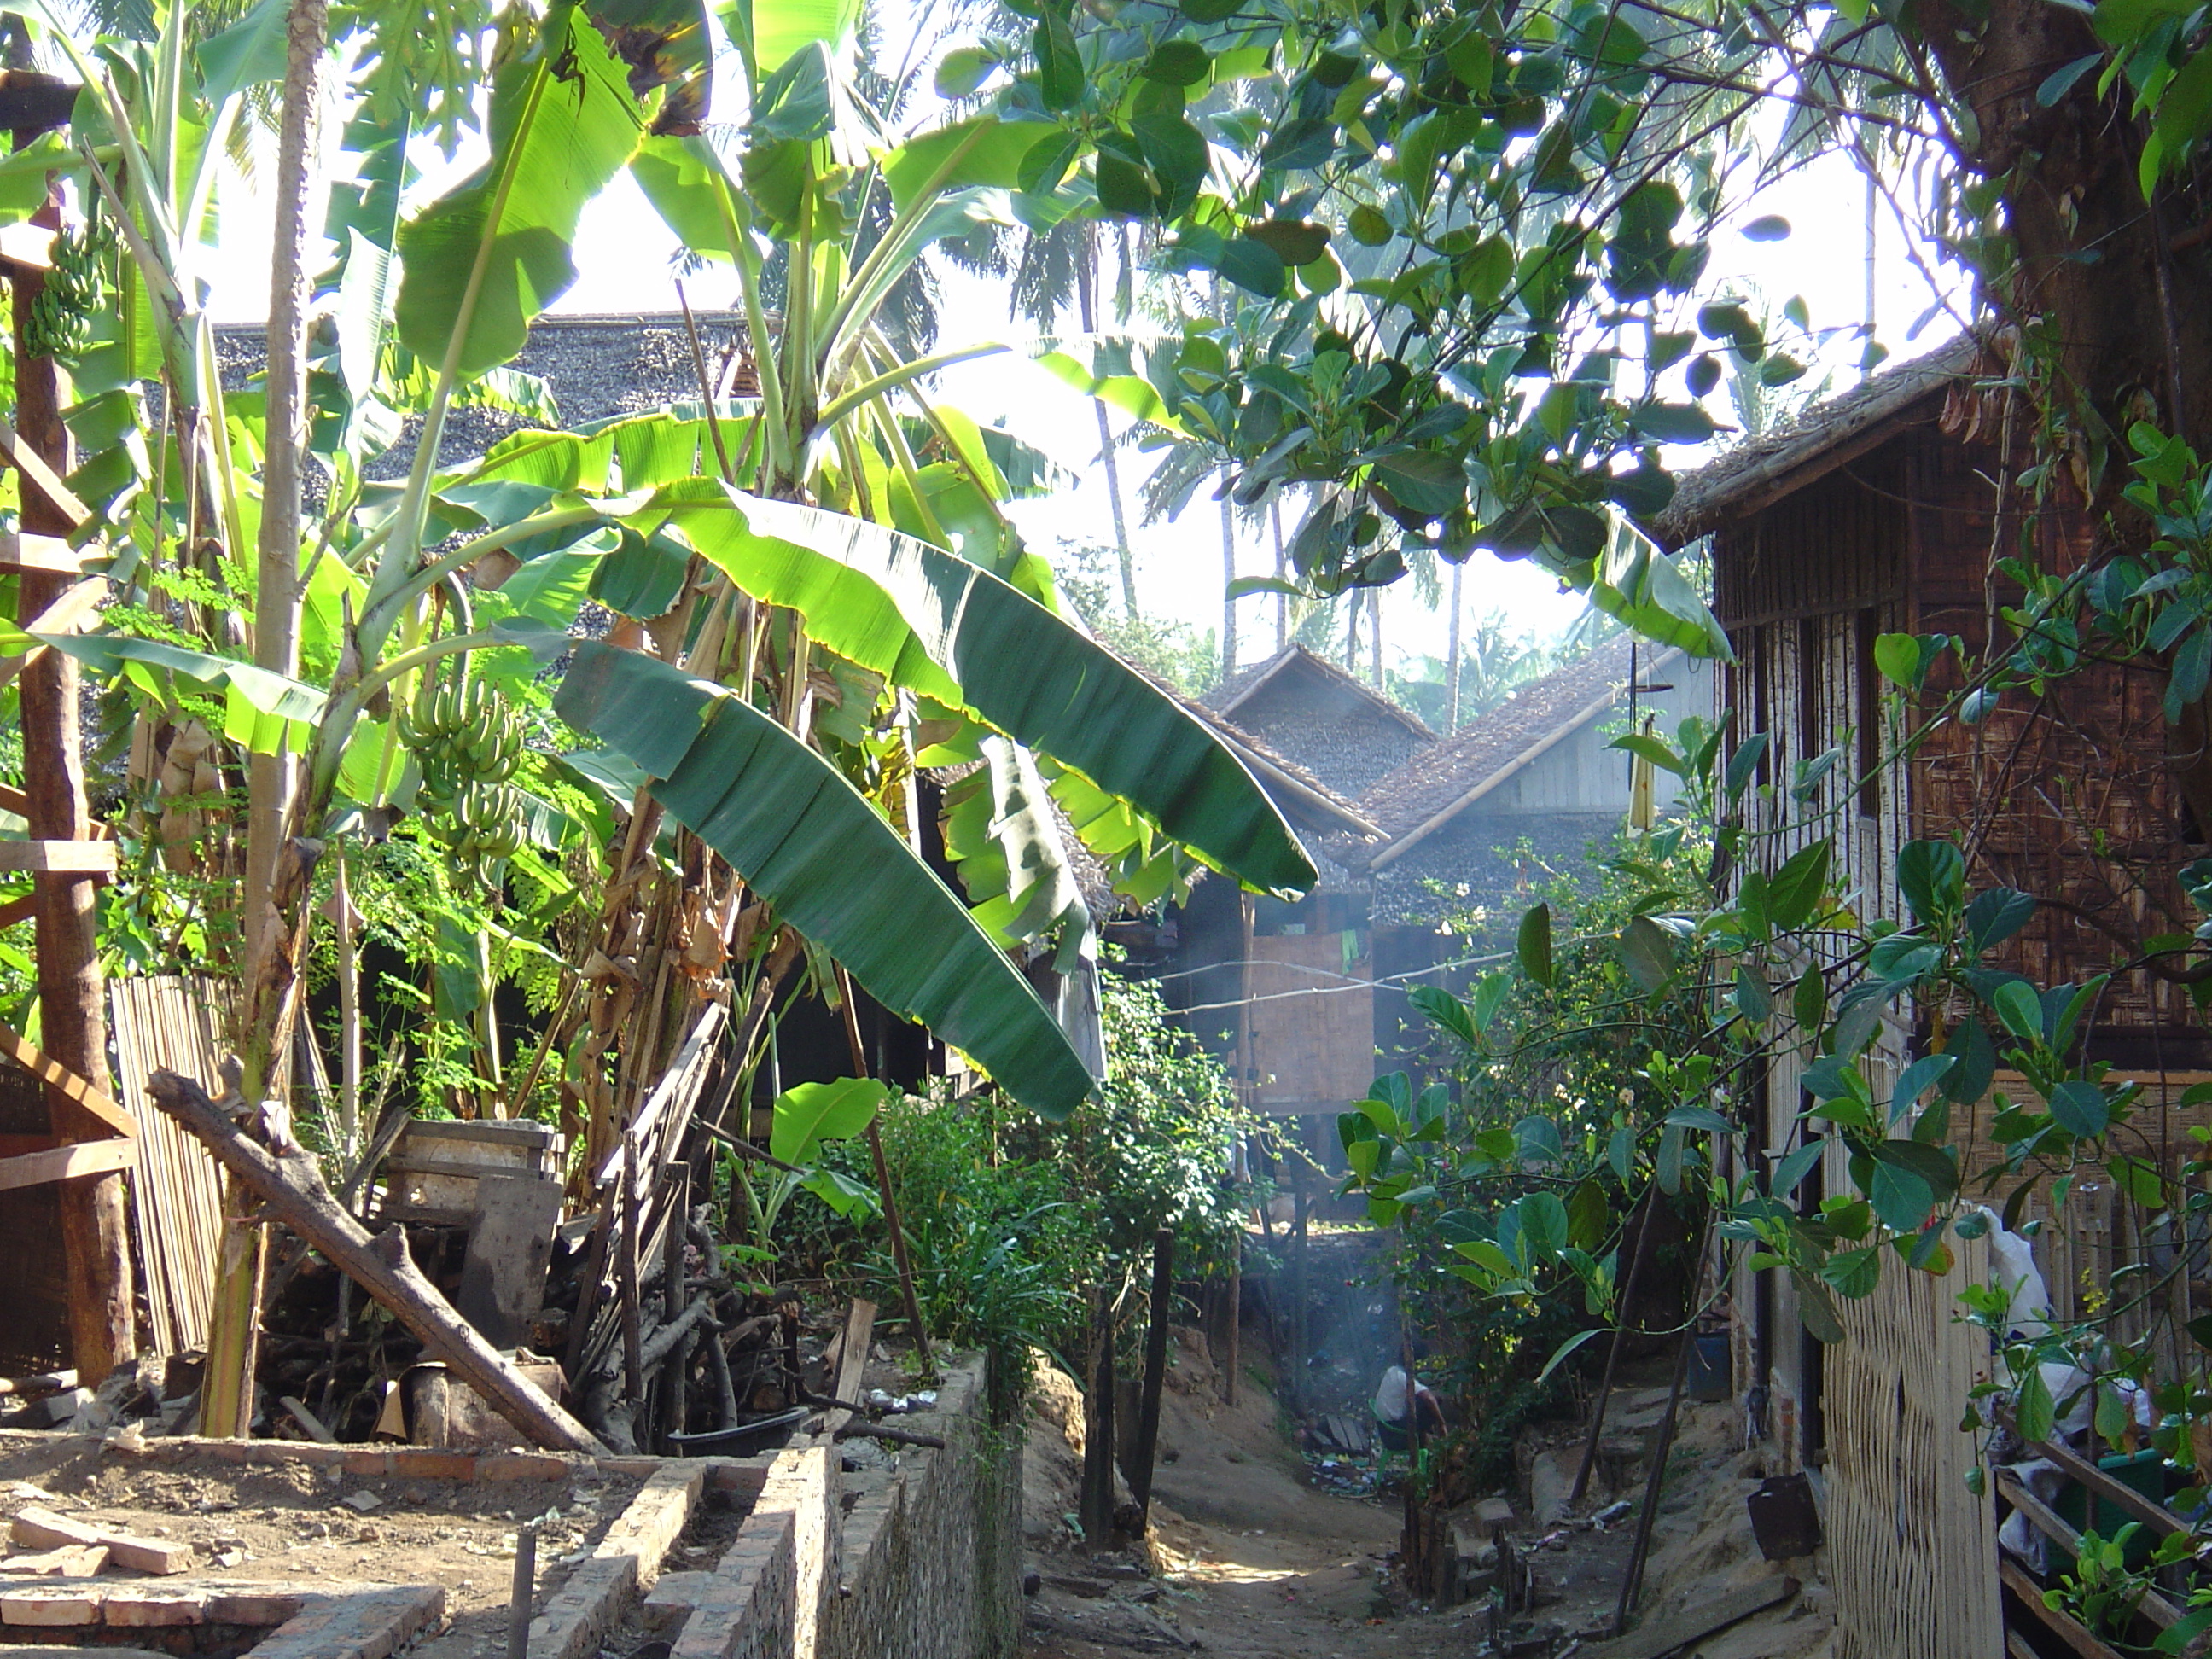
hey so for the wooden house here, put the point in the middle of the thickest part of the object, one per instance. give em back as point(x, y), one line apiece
point(1308, 998)
point(1887, 511)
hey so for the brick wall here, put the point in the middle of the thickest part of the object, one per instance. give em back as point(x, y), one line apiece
point(918, 1560)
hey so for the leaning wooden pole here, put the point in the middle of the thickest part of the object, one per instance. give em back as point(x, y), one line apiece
point(290, 1186)
point(95, 1238)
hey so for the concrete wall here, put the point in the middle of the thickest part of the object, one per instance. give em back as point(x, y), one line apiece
point(918, 1557)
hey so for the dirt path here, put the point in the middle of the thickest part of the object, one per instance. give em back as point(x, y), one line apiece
point(1251, 1560)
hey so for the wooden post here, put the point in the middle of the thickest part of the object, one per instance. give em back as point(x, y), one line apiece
point(1096, 1504)
point(626, 1286)
point(1156, 1369)
point(525, 1592)
point(674, 1392)
point(95, 1239)
point(1235, 1343)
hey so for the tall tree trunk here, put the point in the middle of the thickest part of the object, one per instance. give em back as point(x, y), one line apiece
point(1375, 636)
point(2111, 315)
point(274, 880)
point(72, 1020)
point(1452, 657)
point(1351, 632)
point(1086, 304)
point(1866, 328)
point(1228, 576)
point(1282, 565)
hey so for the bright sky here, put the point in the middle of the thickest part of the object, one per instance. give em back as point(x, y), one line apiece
point(625, 256)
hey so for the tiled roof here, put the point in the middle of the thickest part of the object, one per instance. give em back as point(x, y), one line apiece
point(1438, 777)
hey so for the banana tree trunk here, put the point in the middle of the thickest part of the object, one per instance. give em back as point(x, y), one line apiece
point(272, 973)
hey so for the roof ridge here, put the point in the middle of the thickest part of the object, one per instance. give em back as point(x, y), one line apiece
point(1295, 653)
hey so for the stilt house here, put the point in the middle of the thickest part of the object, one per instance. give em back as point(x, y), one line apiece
point(1887, 511)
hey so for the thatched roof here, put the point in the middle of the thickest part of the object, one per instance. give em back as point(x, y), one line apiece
point(1436, 785)
point(1294, 789)
point(1762, 469)
point(1294, 662)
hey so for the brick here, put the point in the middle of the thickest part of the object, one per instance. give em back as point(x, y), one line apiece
point(422, 1464)
point(366, 1462)
point(43, 1529)
point(78, 1604)
point(674, 1597)
point(70, 1561)
point(248, 1606)
point(128, 1604)
point(366, 1625)
point(524, 1465)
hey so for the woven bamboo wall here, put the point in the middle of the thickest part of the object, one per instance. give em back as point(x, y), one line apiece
point(1313, 1029)
point(176, 1191)
point(1911, 1554)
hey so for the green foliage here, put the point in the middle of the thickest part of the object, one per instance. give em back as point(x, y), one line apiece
point(1009, 1217)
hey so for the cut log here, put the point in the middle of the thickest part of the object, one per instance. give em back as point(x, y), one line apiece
point(291, 1186)
point(42, 1529)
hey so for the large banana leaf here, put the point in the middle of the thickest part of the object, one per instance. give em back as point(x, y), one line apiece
point(563, 122)
point(939, 626)
point(832, 867)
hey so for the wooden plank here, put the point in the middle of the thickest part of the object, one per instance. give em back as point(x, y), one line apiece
point(2140, 1508)
point(1694, 1624)
point(60, 858)
point(852, 1360)
point(55, 1075)
point(27, 246)
point(2069, 1631)
point(19, 909)
point(2047, 1521)
point(81, 1157)
point(24, 551)
point(48, 483)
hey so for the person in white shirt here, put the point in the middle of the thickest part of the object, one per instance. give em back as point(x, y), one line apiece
point(1390, 1399)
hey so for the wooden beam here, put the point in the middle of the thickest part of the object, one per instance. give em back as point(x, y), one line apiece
point(13, 799)
point(2068, 1629)
point(21, 551)
point(33, 1060)
point(851, 1361)
point(2048, 1521)
point(81, 1157)
point(19, 909)
point(26, 247)
point(32, 103)
point(48, 482)
point(61, 858)
point(291, 1185)
point(2159, 1520)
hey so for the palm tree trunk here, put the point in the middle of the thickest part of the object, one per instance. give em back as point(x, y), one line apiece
point(226, 1395)
point(1086, 302)
point(1282, 600)
point(1452, 661)
point(1375, 660)
point(1228, 576)
point(1351, 633)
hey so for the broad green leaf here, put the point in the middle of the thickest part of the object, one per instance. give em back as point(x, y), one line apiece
point(1567, 1348)
point(1533, 946)
point(1001, 834)
point(808, 1114)
point(941, 627)
point(1648, 953)
point(263, 689)
point(1795, 1166)
point(1995, 915)
point(2080, 1107)
point(982, 150)
point(1932, 877)
point(1794, 889)
point(830, 863)
point(782, 27)
point(1816, 1308)
point(562, 123)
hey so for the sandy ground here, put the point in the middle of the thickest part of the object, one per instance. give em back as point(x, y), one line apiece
point(1250, 1560)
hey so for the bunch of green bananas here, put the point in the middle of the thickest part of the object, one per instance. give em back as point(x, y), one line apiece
point(469, 744)
point(60, 323)
point(462, 734)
